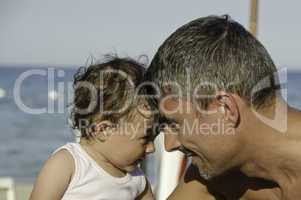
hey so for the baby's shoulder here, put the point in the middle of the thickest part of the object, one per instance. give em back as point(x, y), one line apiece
point(62, 158)
point(62, 155)
point(65, 154)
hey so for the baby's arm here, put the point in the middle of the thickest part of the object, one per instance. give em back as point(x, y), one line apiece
point(147, 194)
point(54, 177)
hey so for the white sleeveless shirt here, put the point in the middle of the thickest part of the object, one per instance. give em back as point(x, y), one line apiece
point(91, 182)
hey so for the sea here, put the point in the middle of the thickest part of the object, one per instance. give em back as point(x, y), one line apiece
point(34, 109)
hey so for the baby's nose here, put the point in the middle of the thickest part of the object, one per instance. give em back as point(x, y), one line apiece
point(150, 148)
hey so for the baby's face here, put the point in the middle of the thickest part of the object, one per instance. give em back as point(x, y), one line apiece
point(133, 140)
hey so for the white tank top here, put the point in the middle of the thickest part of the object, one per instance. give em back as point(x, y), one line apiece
point(91, 182)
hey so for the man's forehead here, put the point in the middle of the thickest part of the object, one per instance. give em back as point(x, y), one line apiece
point(169, 103)
point(172, 107)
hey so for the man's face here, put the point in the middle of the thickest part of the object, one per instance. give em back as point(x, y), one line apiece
point(210, 140)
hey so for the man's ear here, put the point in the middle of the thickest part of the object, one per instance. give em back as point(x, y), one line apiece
point(103, 130)
point(228, 104)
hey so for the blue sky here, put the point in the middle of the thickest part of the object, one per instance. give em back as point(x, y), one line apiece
point(67, 32)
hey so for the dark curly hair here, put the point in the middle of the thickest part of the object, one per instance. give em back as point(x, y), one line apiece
point(104, 91)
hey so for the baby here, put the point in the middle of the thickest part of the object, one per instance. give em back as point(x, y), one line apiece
point(114, 131)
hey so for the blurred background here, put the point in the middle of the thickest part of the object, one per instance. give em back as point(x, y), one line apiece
point(42, 43)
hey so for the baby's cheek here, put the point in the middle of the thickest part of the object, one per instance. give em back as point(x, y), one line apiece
point(132, 151)
point(138, 150)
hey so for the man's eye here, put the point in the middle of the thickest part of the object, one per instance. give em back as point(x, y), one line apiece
point(175, 127)
point(171, 128)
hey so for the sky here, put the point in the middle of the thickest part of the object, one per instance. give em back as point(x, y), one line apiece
point(69, 32)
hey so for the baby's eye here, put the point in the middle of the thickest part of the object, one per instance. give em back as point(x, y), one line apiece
point(145, 111)
point(146, 106)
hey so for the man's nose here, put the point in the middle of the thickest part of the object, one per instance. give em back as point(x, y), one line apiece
point(171, 142)
point(150, 148)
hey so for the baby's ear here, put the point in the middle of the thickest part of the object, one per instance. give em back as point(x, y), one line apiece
point(102, 130)
point(145, 110)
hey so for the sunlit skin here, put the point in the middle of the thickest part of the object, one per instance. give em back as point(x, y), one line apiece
point(122, 147)
point(251, 153)
point(213, 149)
point(116, 149)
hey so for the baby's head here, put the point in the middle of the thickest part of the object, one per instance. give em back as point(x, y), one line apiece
point(109, 112)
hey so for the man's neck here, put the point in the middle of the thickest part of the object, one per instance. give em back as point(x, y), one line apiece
point(278, 165)
point(274, 155)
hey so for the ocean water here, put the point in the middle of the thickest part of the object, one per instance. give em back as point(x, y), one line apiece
point(26, 140)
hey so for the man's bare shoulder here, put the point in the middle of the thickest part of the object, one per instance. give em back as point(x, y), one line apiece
point(192, 186)
point(232, 185)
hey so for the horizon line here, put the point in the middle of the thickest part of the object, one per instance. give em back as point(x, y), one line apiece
point(10, 65)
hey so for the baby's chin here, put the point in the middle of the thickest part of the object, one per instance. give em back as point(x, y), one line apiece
point(130, 168)
point(133, 166)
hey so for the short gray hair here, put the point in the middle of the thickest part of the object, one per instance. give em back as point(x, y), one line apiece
point(219, 51)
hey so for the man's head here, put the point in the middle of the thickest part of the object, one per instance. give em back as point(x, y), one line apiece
point(209, 71)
